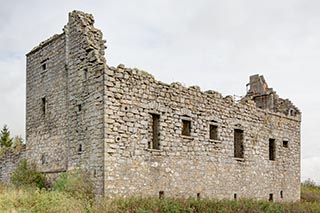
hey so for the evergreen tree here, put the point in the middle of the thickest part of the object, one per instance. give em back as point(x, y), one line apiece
point(5, 140)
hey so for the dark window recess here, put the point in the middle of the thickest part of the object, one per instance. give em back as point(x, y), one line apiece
point(155, 132)
point(281, 194)
point(43, 105)
point(271, 197)
point(161, 194)
point(186, 127)
point(235, 196)
point(86, 74)
point(79, 107)
point(43, 159)
point(285, 144)
point(213, 132)
point(272, 149)
point(238, 143)
point(198, 196)
point(44, 66)
point(80, 149)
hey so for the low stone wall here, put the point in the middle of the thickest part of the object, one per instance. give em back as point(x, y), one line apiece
point(9, 162)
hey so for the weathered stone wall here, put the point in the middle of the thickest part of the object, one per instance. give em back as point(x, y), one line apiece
point(68, 133)
point(86, 65)
point(46, 109)
point(187, 165)
point(100, 119)
point(9, 162)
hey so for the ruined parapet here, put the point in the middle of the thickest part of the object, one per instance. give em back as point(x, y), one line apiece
point(267, 98)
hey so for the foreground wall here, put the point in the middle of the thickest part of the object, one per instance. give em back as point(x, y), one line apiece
point(194, 166)
point(65, 110)
point(9, 161)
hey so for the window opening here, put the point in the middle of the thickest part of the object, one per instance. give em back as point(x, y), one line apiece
point(186, 127)
point(213, 132)
point(271, 197)
point(44, 105)
point(238, 143)
point(198, 196)
point(80, 149)
point(44, 66)
point(272, 149)
point(155, 131)
point(285, 144)
point(161, 194)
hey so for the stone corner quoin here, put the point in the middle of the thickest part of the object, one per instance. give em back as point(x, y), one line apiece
point(137, 136)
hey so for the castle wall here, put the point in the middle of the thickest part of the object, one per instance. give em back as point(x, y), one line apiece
point(46, 107)
point(65, 105)
point(9, 161)
point(86, 65)
point(83, 114)
point(191, 166)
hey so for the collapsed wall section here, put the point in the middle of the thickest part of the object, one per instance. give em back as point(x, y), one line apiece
point(9, 161)
point(190, 160)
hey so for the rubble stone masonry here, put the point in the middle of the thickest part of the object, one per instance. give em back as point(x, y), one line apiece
point(137, 136)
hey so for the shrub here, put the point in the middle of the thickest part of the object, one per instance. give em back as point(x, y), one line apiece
point(27, 175)
point(76, 183)
point(310, 183)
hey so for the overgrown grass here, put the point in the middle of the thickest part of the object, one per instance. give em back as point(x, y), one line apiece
point(146, 205)
point(64, 197)
point(37, 200)
point(310, 194)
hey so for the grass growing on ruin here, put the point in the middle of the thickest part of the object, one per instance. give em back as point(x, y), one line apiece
point(36, 200)
point(72, 192)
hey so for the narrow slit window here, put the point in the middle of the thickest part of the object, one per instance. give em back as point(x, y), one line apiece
point(79, 107)
point(281, 194)
point(213, 132)
point(155, 132)
point(238, 143)
point(80, 149)
point(43, 105)
point(43, 159)
point(272, 149)
point(235, 196)
point(85, 74)
point(186, 127)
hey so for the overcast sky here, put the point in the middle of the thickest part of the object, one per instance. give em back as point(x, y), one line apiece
point(210, 43)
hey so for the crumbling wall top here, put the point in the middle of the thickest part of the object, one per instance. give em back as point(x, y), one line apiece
point(267, 98)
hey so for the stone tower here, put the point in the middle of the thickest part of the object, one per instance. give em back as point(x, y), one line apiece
point(65, 100)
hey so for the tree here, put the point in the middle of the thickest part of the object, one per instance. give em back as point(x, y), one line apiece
point(5, 139)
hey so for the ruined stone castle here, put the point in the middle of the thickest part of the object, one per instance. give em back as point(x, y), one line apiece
point(137, 136)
